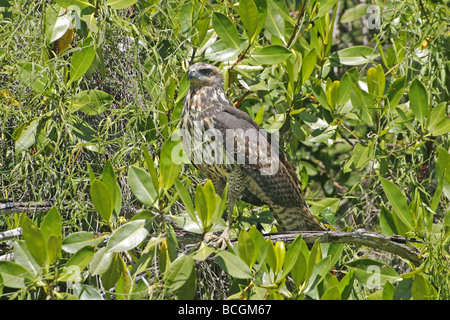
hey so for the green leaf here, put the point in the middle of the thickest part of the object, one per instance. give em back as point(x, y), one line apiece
point(33, 75)
point(79, 3)
point(220, 51)
point(128, 236)
point(101, 261)
point(249, 17)
point(346, 285)
point(51, 224)
point(35, 241)
point(376, 81)
point(439, 123)
point(308, 65)
point(422, 289)
point(248, 247)
point(53, 248)
point(292, 256)
point(332, 93)
point(141, 184)
point(398, 202)
point(233, 265)
point(109, 179)
point(86, 292)
point(102, 199)
point(272, 54)
point(387, 223)
point(418, 99)
point(298, 271)
point(226, 30)
point(169, 169)
point(396, 91)
point(115, 270)
point(91, 102)
point(23, 256)
point(151, 167)
point(25, 135)
point(362, 154)
point(331, 294)
point(179, 272)
point(318, 273)
point(14, 275)
point(185, 198)
point(75, 241)
point(354, 56)
point(81, 258)
point(82, 60)
point(201, 206)
point(354, 13)
point(372, 272)
point(120, 4)
point(275, 23)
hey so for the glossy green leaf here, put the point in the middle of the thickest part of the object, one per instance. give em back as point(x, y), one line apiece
point(308, 65)
point(438, 122)
point(169, 168)
point(120, 4)
point(81, 258)
point(292, 256)
point(398, 202)
point(354, 13)
point(331, 294)
point(275, 23)
point(248, 247)
point(13, 274)
point(102, 199)
point(101, 261)
point(141, 184)
point(418, 100)
point(373, 272)
point(346, 285)
point(33, 75)
point(354, 56)
point(25, 135)
point(86, 292)
point(179, 272)
point(128, 236)
point(318, 273)
point(396, 91)
point(226, 30)
point(82, 59)
point(109, 179)
point(23, 256)
point(249, 17)
point(91, 102)
point(233, 265)
point(75, 241)
point(51, 224)
point(35, 241)
point(376, 81)
point(272, 54)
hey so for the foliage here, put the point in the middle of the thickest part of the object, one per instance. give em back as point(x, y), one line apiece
point(92, 93)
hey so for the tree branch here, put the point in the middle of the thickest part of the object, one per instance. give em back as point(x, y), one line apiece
point(392, 244)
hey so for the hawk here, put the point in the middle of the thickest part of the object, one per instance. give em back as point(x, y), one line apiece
point(229, 147)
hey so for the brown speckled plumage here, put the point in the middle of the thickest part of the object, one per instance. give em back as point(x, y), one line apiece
point(206, 104)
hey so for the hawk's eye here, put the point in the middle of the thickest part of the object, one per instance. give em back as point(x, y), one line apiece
point(206, 72)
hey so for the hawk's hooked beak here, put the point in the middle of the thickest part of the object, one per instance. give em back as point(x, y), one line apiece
point(191, 74)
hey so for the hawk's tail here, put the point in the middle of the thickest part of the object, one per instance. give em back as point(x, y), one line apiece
point(296, 219)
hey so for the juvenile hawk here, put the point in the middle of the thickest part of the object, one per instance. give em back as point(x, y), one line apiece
point(229, 147)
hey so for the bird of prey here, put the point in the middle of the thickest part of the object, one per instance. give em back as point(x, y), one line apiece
point(243, 156)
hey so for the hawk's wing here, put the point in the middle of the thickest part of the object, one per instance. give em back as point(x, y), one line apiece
point(282, 186)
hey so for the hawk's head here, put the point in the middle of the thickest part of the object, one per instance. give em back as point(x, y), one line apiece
point(205, 74)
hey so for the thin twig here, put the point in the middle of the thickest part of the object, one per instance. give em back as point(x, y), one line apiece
point(294, 32)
